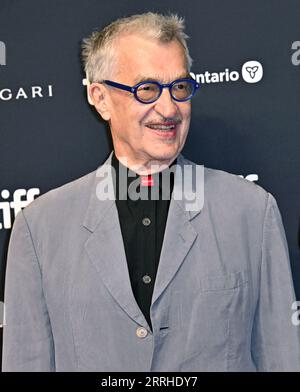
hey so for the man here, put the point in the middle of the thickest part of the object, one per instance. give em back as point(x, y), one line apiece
point(157, 284)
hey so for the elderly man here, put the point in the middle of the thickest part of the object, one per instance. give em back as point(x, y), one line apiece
point(130, 283)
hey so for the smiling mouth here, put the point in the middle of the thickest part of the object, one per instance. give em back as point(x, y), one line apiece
point(161, 127)
point(166, 129)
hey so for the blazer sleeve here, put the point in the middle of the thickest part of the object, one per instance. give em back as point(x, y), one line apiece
point(275, 340)
point(27, 336)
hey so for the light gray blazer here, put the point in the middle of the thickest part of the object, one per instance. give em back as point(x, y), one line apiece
point(221, 302)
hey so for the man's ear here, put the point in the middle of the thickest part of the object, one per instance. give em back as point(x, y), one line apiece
point(98, 95)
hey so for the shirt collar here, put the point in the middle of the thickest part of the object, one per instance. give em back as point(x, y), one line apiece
point(165, 190)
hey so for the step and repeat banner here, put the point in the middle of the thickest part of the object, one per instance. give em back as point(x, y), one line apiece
point(246, 116)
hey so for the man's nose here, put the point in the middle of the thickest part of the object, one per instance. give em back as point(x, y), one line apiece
point(165, 105)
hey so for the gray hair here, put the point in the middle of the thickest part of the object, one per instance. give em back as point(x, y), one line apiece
point(98, 55)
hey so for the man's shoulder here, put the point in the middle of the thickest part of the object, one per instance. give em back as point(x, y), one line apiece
point(68, 198)
point(221, 180)
point(232, 189)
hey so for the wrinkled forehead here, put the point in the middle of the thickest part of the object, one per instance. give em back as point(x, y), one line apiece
point(162, 78)
point(143, 58)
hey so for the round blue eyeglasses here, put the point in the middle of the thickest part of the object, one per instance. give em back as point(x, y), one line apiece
point(147, 92)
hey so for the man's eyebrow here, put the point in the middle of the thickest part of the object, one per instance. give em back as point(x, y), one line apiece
point(144, 78)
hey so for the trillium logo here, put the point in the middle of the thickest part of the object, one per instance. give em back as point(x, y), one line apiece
point(252, 71)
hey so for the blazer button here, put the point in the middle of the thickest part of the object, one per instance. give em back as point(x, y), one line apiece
point(141, 332)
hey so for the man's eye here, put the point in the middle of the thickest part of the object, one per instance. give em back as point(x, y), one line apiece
point(180, 86)
point(148, 87)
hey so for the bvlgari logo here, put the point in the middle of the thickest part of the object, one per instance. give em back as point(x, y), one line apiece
point(32, 92)
point(7, 94)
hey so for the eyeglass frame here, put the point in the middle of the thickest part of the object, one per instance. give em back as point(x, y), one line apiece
point(161, 86)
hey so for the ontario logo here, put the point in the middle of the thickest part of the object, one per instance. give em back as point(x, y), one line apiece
point(251, 72)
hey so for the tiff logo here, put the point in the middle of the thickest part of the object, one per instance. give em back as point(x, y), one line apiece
point(250, 177)
point(21, 198)
point(2, 53)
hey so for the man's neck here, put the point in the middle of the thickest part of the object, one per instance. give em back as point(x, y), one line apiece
point(146, 167)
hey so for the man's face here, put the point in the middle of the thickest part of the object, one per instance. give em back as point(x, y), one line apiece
point(132, 123)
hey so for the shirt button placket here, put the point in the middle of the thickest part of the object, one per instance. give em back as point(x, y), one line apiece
point(146, 279)
point(146, 221)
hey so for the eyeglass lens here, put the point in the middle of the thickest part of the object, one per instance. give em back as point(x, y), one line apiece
point(150, 91)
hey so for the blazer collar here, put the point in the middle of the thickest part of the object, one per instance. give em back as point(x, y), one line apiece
point(186, 188)
point(164, 189)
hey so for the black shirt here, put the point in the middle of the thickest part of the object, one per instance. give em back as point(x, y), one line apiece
point(142, 225)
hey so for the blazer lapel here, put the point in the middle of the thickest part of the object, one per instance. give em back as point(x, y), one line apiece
point(179, 233)
point(105, 246)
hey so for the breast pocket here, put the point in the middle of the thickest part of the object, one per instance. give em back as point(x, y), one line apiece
point(228, 281)
point(211, 315)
